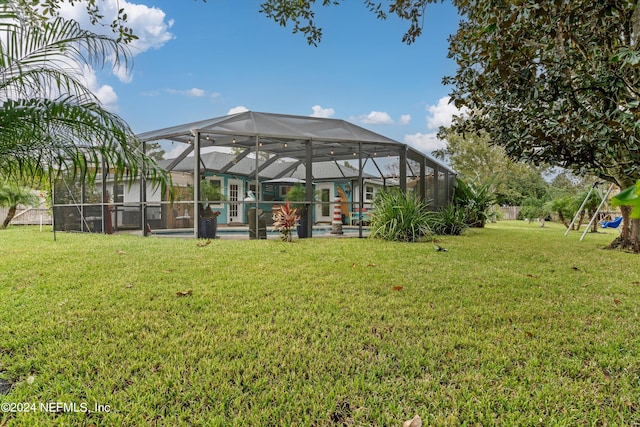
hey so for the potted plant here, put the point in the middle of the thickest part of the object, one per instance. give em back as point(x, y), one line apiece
point(298, 195)
point(208, 218)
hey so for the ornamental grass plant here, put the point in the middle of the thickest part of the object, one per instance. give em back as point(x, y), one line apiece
point(400, 216)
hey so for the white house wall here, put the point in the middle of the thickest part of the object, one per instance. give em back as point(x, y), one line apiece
point(356, 191)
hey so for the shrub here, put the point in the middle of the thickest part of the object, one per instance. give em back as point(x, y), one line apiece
point(533, 209)
point(209, 193)
point(475, 201)
point(564, 206)
point(297, 193)
point(400, 216)
point(449, 221)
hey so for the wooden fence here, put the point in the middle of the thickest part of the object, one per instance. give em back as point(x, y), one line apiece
point(29, 216)
point(509, 212)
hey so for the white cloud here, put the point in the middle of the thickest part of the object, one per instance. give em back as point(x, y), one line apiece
point(124, 74)
point(376, 118)
point(148, 23)
point(439, 115)
point(318, 111)
point(442, 113)
point(193, 92)
point(107, 97)
point(426, 142)
point(105, 93)
point(381, 118)
point(238, 109)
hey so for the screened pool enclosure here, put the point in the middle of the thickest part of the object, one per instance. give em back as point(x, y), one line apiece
point(251, 161)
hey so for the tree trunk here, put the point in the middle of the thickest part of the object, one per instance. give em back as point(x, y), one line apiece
point(635, 235)
point(629, 238)
point(10, 214)
point(563, 219)
point(579, 224)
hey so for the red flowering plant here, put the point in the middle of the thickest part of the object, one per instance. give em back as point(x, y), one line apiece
point(284, 220)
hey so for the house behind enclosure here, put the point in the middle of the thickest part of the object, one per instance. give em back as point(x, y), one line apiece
point(330, 180)
point(347, 164)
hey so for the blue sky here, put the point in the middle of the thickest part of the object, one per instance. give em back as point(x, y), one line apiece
point(197, 60)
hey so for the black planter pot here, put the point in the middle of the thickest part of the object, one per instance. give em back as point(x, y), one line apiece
point(301, 227)
point(208, 228)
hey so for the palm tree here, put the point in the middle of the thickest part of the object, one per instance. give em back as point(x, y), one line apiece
point(49, 120)
point(11, 196)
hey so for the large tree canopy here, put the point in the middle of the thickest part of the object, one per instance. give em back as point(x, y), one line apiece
point(476, 159)
point(555, 82)
point(552, 81)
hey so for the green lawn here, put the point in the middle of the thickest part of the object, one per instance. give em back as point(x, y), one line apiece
point(513, 325)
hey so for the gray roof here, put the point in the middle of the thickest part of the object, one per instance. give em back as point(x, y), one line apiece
point(270, 126)
point(217, 161)
point(214, 161)
point(287, 136)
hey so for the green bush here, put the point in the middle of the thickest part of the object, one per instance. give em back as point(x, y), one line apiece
point(475, 200)
point(210, 192)
point(449, 221)
point(297, 193)
point(400, 216)
point(564, 206)
point(533, 209)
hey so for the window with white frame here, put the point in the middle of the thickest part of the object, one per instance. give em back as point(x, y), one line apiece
point(118, 193)
point(368, 193)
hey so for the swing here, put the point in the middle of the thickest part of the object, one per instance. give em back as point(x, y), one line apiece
point(614, 223)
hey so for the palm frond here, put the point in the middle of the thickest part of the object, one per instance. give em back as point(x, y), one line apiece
point(49, 57)
point(49, 120)
point(67, 134)
point(12, 194)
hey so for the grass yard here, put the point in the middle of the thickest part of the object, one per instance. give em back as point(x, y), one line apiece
point(513, 325)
